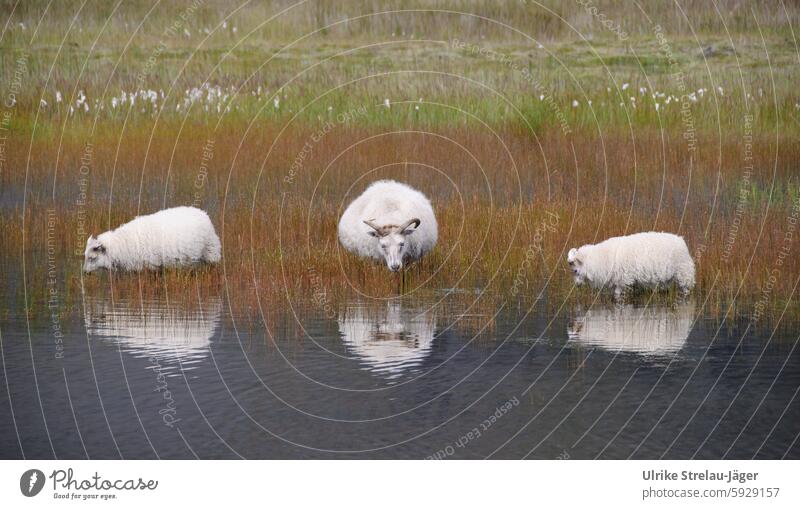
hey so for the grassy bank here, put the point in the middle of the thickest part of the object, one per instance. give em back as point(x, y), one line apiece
point(526, 147)
point(507, 213)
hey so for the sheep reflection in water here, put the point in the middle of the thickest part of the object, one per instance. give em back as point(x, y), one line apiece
point(388, 338)
point(171, 333)
point(652, 330)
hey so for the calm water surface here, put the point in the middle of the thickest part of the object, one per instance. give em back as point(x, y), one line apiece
point(405, 378)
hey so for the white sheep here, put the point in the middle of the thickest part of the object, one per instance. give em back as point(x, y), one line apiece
point(643, 259)
point(169, 238)
point(390, 221)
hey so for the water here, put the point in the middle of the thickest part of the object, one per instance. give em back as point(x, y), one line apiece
point(403, 378)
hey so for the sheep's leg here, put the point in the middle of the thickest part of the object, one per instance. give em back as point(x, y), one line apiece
point(685, 280)
point(618, 293)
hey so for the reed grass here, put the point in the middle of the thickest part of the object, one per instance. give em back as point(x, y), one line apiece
point(281, 20)
point(219, 122)
point(505, 217)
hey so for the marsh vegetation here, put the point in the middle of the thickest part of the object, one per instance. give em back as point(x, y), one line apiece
point(532, 127)
point(528, 142)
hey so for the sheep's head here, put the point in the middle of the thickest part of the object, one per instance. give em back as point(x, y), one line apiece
point(96, 255)
point(576, 262)
point(392, 240)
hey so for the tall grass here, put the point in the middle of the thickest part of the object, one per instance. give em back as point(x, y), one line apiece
point(525, 151)
point(506, 218)
point(101, 56)
point(359, 19)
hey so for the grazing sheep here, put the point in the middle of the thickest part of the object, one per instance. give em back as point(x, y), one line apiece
point(390, 221)
point(169, 238)
point(643, 259)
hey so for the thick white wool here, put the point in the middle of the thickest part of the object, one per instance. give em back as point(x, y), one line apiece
point(642, 259)
point(387, 202)
point(169, 238)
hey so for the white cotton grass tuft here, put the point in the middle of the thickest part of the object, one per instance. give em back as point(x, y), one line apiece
point(211, 98)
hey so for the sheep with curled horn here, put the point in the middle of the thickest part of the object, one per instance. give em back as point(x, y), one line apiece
point(389, 222)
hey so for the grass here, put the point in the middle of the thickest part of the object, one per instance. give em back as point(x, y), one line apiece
point(283, 20)
point(491, 218)
point(498, 132)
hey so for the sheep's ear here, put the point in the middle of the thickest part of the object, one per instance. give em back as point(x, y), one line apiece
point(573, 255)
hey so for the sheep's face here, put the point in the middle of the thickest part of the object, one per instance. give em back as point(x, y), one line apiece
point(393, 241)
point(394, 248)
point(575, 260)
point(96, 256)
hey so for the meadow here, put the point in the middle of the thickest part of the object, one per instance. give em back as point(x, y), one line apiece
point(533, 128)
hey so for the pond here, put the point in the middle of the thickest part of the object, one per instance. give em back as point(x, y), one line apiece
point(420, 377)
